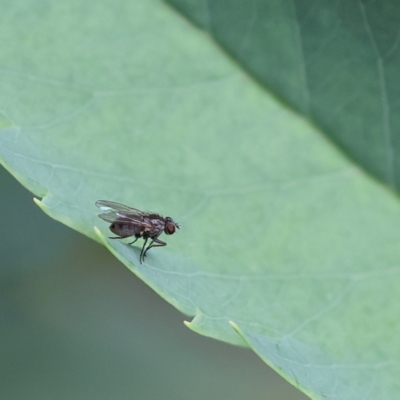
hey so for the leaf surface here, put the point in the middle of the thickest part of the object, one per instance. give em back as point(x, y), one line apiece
point(335, 62)
point(282, 237)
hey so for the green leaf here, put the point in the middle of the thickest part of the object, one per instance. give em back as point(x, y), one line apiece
point(337, 63)
point(282, 237)
point(80, 325)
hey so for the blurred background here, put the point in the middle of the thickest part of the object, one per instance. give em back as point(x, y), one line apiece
point(76, 324)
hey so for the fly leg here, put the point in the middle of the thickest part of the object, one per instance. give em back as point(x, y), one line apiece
point(120, 237)
point(143, 252)
point(158, 243)
point(134, 240)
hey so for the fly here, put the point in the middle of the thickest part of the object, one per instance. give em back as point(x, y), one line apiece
point(128, 221)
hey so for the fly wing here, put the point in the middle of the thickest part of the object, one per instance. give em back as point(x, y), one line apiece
point(113, 216)
point(108, 206)
point(116, 212)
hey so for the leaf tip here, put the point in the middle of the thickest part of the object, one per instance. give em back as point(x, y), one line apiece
point(234, 326)
point(188, 324)
point(193, 326)
point(41, 205)
point(37, 201)
point(100, 235)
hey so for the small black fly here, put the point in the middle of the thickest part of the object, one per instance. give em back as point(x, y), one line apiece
point(128, 221)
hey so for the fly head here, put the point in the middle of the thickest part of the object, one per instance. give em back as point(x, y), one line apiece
point(170, 226)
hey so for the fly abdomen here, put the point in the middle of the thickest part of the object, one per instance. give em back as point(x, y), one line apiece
point(124, 230)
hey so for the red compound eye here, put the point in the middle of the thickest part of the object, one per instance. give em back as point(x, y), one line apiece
point(169, 229)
